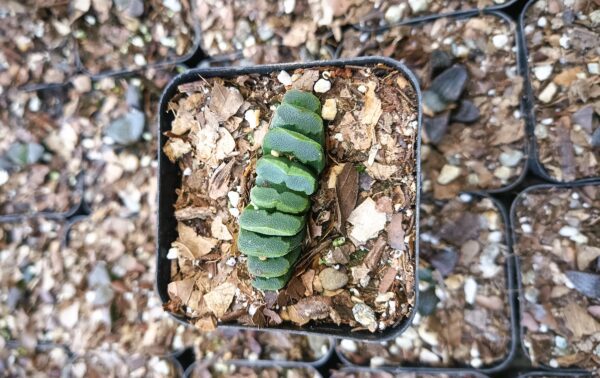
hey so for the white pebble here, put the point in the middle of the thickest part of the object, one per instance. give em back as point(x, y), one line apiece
point(553, 363)
point(511, 158)
point(568, 231)
point(548, 93)
point(448, 174)
point(362, 89)
point(377, 361)
point(593, 68)
point(349, 345)
point(495, 237)
point(284, 78)
point(526, 228)
point(329, 110)
point(234, 198)
point(542, 22)
point(395, 13)
point(172, 254)
point(231, 261)
point(3, 177)
point(500, 40)
point(470, 290)
point(476, 363)
point(503, 173)
point(139, 60)
point(252, 116)
point(564, 42)
point(322, 86)
point(428, 356)
point(418, 6)
point(542, 72)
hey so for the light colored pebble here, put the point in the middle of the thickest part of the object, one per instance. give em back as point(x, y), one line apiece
point(511, 158)
point(593, 68)
point(349, 345)
point(329, 110)
point(560, 342)
point(428, 356)
point(377, 361)
point(568, 231)
point(395, 13)
point(470, 290)
point(428, 336)
point(284, 78)
point(476, 362)
point(234, 198)
point(541, 131)
point(365, 316)
point(542, 22)
point(542, 72)
point(418, 6)
point(288, 6)
point(322, 86)
point(139, 59)
point(548, 93)
point(3, 177)
point(253, 117)
point(500, 40)
point(362, 89)
point(448, 174)
point(503, 173)
point(553, 363)
point(526, 228)
point(564, 41)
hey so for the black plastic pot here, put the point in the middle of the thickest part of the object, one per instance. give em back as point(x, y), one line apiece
point(192, 57)
point(492, 11)
point(519, 296)
point(535, 165)
point(509, 270)
point(558, 373)
point(451, 373)
point(169, 179)
point(258, 365)
point(462, 13)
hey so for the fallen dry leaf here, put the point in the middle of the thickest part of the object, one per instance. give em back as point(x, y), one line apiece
point(225, 144)
point(381, 171)
point(176, 148)
point(225, 102)
point(219, 230)
point(219, 299)
point(367, 221)
point(308, 309)
point(197, 245)
point(219, 182)
point(346, 190)
point(372, 110)
point(395, 232)
point(578, 321)
point(306, 81)
point(181, 289)
point(374, 256)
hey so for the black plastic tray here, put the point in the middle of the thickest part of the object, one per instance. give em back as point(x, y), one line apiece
point(261, 364)
point(559, 373)
point(169, 179)
point(411, 20)
point(452, 373)
point(509, 271)
point(517, 274)
point(535, 165)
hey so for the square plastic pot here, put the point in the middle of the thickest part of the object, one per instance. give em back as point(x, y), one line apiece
point(169, 179)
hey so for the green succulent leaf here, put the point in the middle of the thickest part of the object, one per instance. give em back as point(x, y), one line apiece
point(253, 244)
point(306, 150)
point(271, 223)
point(273, 283)
point(294, 176)
point(300, 120)
point(280, 200)
point(272, 267)
point(303, 99)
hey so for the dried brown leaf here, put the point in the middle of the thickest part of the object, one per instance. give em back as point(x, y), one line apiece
point(197, 245)
point(308, 309)
point(381, 171)
point(219, 182)
point(346, 189)
point(225, 102)
point(306, 81)
point(219, 299)
point(396, 233)
point(374, 256)
point(388, 279)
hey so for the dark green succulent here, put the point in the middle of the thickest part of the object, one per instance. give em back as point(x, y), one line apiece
point(272, 226)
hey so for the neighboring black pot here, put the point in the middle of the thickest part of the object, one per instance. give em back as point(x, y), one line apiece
point(412, 20)
point(522, 70)
point(258, 364)
point(558, 373)
point(517, 268)
point(535, 165)
point(192, 57)
point(509, 272)
point(169, 179)
point(443, 373)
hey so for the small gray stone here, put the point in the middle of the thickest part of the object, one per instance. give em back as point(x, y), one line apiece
point(23, 154)
point(127, 129)
point(333, 279)
point(133, 97)
point(99, 276)
point(365, 316)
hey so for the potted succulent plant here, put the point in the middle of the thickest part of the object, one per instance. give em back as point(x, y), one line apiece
point(288, 197)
